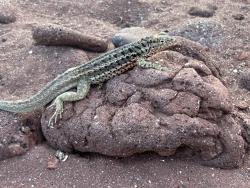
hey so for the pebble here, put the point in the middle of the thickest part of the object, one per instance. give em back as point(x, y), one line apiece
point(242, 105)
point(61, 156)
point(238, 16)
point(235, 71)
point(131, 34)
point(206, 12)
point(25, 129)
point(7, 13)
point(243, 55)
point(56, 35)
point(244, 80)
point(52, 163)
point(16, 149)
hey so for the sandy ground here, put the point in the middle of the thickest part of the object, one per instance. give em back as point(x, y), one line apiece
point(230, 39)
point(92, 170)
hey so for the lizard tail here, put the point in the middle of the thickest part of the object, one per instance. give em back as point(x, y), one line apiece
point(18, 106)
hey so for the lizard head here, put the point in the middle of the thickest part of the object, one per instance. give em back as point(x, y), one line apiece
point(161, 41)
point(164, 39)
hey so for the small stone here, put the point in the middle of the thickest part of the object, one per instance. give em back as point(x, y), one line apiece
point(245, 80)
point(235, 71)
point(30, 52)
point(61, 156)
point(7, 13)
point(238, 16)
point(131, 34)
point(52, 163)
point(201, 12)
point(242, 105)
point(16, 149)
point(243, 55)
point(25, 129)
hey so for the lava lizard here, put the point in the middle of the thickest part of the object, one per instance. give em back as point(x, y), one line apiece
point(95, 71)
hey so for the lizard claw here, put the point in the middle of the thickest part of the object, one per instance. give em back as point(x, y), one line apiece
point(50, 124)
point(58, 112)
point(51, 105)
point(54, 117)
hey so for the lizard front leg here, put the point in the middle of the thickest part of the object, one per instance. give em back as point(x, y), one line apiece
point(83, 87)
point(146, 64)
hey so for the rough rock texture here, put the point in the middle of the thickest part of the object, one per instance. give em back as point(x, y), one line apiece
point(18, 135)
point(205, 32)
point(198, 52)
point(56, 35)
point(149, 110)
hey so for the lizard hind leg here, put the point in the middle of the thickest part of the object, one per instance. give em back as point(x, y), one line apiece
point(83, 87)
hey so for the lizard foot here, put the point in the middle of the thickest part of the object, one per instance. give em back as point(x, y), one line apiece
point(58, 112)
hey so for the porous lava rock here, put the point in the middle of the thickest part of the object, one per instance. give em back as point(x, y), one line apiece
point(144, 110)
